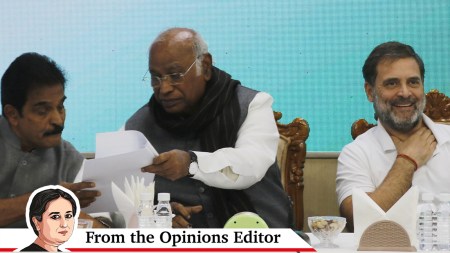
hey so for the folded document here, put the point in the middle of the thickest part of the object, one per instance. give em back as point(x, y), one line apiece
point(118, 155)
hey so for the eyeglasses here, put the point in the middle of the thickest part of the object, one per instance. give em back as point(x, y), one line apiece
point(174, 78)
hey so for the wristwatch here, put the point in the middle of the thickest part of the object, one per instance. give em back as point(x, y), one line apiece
point(193, 166)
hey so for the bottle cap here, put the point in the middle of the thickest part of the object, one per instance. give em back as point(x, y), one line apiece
point(427, 196)
point(146, 196)
point(163, 196)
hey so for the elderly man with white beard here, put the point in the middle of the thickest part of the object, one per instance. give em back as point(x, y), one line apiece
point(406, 147)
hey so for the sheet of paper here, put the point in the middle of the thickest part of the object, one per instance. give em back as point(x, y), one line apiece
point(121, 154)
point(121, 142)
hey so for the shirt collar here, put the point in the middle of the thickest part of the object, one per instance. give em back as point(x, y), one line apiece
point(441, 136)
point(388, 145)
point(383, 138)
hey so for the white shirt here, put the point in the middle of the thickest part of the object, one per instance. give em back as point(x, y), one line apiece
point(366, 161)
point(255, 150)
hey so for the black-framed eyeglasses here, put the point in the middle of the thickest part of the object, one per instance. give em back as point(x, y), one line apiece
point(174, 78)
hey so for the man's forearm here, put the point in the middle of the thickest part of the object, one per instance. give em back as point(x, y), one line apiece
point(13, 209)
point(397, 182)
point(346, 210)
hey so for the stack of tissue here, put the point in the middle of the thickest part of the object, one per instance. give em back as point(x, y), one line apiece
point(127, 202)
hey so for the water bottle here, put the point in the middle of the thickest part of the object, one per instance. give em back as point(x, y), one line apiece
point(145, 210)
point(163, 211)
point(443, 222)
point(426, 223)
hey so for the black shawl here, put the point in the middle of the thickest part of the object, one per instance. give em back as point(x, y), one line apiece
point(216, 124)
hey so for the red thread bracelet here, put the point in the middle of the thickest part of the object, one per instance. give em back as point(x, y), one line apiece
point(409, 159)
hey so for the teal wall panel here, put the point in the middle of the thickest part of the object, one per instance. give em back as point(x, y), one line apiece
point(307, 54)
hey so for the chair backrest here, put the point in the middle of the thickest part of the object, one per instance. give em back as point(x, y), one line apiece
point(291, 157)
point(437, 108)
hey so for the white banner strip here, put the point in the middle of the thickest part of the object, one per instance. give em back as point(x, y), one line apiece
point(166, 240)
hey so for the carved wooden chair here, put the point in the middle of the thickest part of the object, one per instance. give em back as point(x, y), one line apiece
point(291, 157)
point(437, 108)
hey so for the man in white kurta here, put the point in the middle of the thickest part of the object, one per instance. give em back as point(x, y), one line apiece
point(217, 140)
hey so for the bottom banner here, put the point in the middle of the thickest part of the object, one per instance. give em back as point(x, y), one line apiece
point(166, 240)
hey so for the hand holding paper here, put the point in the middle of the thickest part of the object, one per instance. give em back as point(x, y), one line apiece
point(172, 164)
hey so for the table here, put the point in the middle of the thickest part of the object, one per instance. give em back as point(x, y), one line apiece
point(346, 244)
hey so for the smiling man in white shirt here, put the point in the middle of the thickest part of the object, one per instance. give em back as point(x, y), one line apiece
point(406, 147)
point(217, 139)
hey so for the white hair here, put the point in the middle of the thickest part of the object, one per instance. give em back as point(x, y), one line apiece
point(199, 46)
point(200, 49)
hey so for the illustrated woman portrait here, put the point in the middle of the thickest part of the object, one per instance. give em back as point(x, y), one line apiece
point(53, 215)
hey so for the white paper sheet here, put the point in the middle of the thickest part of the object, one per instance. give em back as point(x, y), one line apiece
point(118, 155)
point(121, 142)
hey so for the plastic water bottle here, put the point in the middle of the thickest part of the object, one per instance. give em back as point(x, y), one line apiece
point(426, 223)
point(163, 211)
point(443, 222)
point(145, 210)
